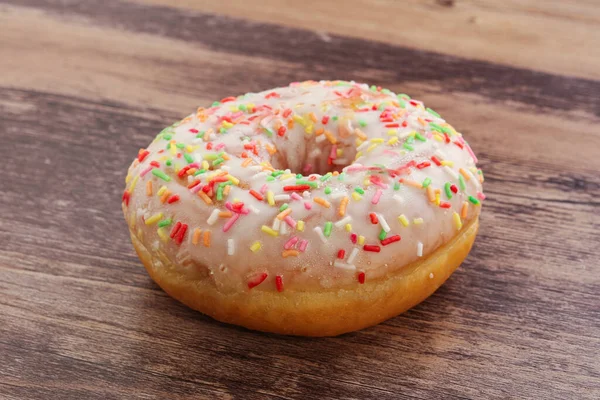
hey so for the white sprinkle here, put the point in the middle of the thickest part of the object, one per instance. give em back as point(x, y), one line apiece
point(363, 145)
point(320, 233)
point(420, 249)
point(288, 180)
point(315, 153)
point(283, 229)
point(439, 154)
point(190, 178)
point(343, 265)
point(338, 195)
point(451, 172)
point(346, 220)
point(306, 194)
point(253, 209)
point(352, 255)
point(398, 198)
point(230, 247)
point(431, 275)
point(320, 138)
point(282, 197)
point(214, 216)
point(256, 168)
point(276, 224)
point(383, 223)
point(225, 167)
point(259, 175)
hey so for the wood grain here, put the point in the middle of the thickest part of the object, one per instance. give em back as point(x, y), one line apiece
point(83, 85)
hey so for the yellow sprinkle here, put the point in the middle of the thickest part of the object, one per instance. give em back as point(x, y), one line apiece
point(290, 253)
point(172, 148)
point(300, 226)
point(162, 234)
point(205, 165)
point(393, 140)
point(155, 218)
point(418, 221)
point(299, 120)
point(269, 231)
point(371, 147)
point(190, 148)
point(322, 202)
point(161, 191)
point(348, 227)
point(196, 236)
point(377, 140)
point(403, 220)
point(339, 152)
point(358, 155)
point(255, 246)
point(457, 221)
point(437, 198)
point(356, 196)
point(226, 124)
point(448, 163)
point(361, 240)
point(270, 198)
point(392, 132)
point(127, 178)
point(233, 179)
point(135, 181)
point(438, 137)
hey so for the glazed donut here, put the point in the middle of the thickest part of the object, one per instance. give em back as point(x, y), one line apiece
point(314, 209)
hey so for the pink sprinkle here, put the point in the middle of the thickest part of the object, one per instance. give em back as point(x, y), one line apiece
point(471, 152)
point(480, 196)
point(353, 237)
point(144, 172)
point(194, 165)
point(307, 168)
point(196, 188)
point(296, 196)
point(333, 152)
point(356, 168)
point(377, 196)
point(290, 221)
point(237, 115)
point(377, 181)
point(291, 243)
point(303, 245)
point(219, 146)
point(264, 189)
point(307, 205)
point(391, 153)
point(230, 222)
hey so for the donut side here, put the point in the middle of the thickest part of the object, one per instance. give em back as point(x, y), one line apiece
point(313, 313)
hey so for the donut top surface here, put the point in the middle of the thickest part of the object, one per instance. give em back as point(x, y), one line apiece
point(311, 186)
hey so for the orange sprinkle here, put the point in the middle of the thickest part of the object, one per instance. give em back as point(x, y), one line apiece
point(290, 123)
point(313, 117)
point(412, 183)
point(360, 134)
point(226, 190)
point(465, 174)
point(149, 188)
point(430, 194)
point(206, 239)
point(423, 123)
point(330, 137)
point(290, 253)
point(336, 173)
point(246, 162)
point(322, 202)
point(196, 237)
point(191, 171)
point(204, 197)
point(165, 196)
point(464, 210)
point(225, 156)
point(272, 150)
point(343, 205)
point(225, 214)
point(284, 214)
point(319, 131)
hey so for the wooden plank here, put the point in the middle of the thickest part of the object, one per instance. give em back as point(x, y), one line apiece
point(544, 36)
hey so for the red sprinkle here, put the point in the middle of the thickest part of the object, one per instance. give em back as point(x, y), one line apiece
point(325, 119)
point(454, 189)
point(181, 234)
point(193, 130)
point(361, 277)
point(459, 144)
point(142, 155)
point(183, 171)
point(436, 161)
point(228, 99)
point(296, 187)
point(391, 239)
point(341, 254)
point(372, 247)
point(424, 164)
point(447, 137)
point(195, 183)
point(353, 237)
point(445, 204)
point(155, 164)
point(404, 124)
point(278, 283)
point(281, 131)
point(287, 112)
point(395, 125)
point(172, 199)
point(257, 195)
point(374, 219)
point(257, 280)
point(175, 229)
point(126, 197)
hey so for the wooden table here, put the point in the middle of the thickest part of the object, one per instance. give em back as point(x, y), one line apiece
point(85, 84)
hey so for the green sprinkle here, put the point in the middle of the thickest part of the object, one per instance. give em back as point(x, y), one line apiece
point(410, 139)
point(283, 207)
point(269, 131)
point(157, 172)
point(165, 222)
point(402, 103)
point(326, 177)
point(386, 91)
point(299, 176)
point(447, 130)
point(327, 190)
point(362, 122)
point(222, 130)
point(373, 88)
point(180, 145)
point(312, 184)
point(335, 118)
point(200, 171)
point(341, 176)
point(220, 193)
point(211, 156)
point(473, 200)
point(216, 103)
point(432, 112)
point(169, 163)
point(397, 186)
point(381, 107)
point(359, 190)
point(448, 190)
point(461, 183)
point(188, 158)
point(275, 174)
point(270, 179)
point(436, 127)
point(218, 161)
point(327, 230)
point(167, 136)
point(382, 234)
point(403, 96)
point(420, 137)
point(242, 107)
point(426, 182)
point(408, 146)
point(200, 135)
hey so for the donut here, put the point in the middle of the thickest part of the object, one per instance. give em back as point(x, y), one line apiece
point(314, 209)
